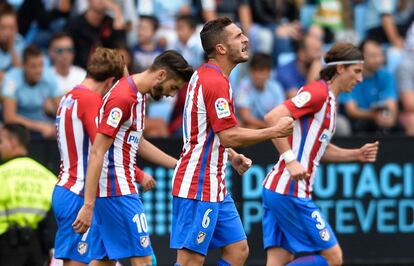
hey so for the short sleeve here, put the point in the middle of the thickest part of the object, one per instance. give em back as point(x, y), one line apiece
point(114, 112)
point(219, 106)
point(9, 86)
point(388, 87)
point(89, 111)
point(309, 100)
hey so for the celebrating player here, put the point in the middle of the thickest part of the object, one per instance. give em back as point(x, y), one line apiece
point(204, 214)
point(292, 223)
point(120, 228)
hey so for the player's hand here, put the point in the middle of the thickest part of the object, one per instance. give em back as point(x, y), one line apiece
point(83, 220)
point(297, 171)
point(284, 127)
point(148, 182)
point(368, 152)
point(240, 163)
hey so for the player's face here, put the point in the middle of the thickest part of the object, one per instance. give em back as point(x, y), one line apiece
point(169, 87)
point(8, 29)
point(237, 44)
point(33, 69)
point(351, 76)
point(62, 52)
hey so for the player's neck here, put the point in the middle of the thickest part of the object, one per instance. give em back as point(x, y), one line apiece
point(98, 87)
point(334, 86)
point(143, 81)
point(225, 66)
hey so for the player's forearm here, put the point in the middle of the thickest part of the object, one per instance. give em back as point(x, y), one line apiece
point(242, 137)
point(336, 154)
point(154, 155)
point(92, 178)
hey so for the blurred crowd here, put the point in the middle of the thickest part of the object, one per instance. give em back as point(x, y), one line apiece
point(45, 46)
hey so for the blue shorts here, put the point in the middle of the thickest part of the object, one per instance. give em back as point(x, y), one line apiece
point(200, 226)
point(69, 244)
point(120, 229)
point(294, 224)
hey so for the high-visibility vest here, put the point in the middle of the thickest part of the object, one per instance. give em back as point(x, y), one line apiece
point(25, 193)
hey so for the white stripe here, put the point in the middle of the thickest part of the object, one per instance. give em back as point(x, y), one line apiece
point(213, 170)
point(64, 148)
point(223, 175)
point(195, 155)
point(78, 133)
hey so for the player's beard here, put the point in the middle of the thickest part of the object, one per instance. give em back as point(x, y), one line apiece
point(157, 91)
point(235, 54)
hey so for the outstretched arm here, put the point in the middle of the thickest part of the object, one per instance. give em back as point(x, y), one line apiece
point(154, 155)
point(367, 153)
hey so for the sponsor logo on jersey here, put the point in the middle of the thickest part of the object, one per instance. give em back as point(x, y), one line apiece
point(144, 241)
point(133, 137)
point(301, 99)
point(324, 234)
point(114, 117)
point(82, 248)
point(201, 237)
point(222, 108)
point(325, 136)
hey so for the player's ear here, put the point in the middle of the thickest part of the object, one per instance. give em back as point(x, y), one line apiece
point(340, 69)
point(221, 49)
point(161, 75)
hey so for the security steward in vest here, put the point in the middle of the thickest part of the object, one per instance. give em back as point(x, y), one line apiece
point(25, 198)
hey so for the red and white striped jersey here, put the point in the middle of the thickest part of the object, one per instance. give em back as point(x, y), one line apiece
point(209, 109)
point(314, 111)
point(76, 125)
point(121, 117)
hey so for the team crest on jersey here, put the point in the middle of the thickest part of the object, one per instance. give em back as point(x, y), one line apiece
point(301, 99)
point(82, 248)
point(325, 136)
point(324, 234)
point(201, 237)
point(144, 241)
point(222, 108)
point(114, 117)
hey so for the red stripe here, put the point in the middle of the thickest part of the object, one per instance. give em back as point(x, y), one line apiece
point(220, 178)
point(73, 155)
point(207, 182)
point(142, 111)
point(277, 176)
point(126, 153)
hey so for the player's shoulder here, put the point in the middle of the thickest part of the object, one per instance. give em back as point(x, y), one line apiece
point(318, 89)
point(211, 78)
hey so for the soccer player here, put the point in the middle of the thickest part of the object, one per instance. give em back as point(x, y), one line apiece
point(292, 223)
point(76, 130)
point(120, 227)
point(204, 214)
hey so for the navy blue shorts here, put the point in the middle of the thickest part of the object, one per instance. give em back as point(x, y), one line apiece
point(69, 244)
point(294, 224)
point(200, 225)
point(120, 229)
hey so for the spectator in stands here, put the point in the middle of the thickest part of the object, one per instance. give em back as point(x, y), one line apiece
point(188, 43)
point(25, 199)
point(40, 19)
point(95, 28)
point(405, 75)
point(297, 73)
point(258, 93)
point(11, 43)
point(373, 104)
point(147, 49)
point(387, 21)
point(29, 93)
point(62, 53)
point(166, 12)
